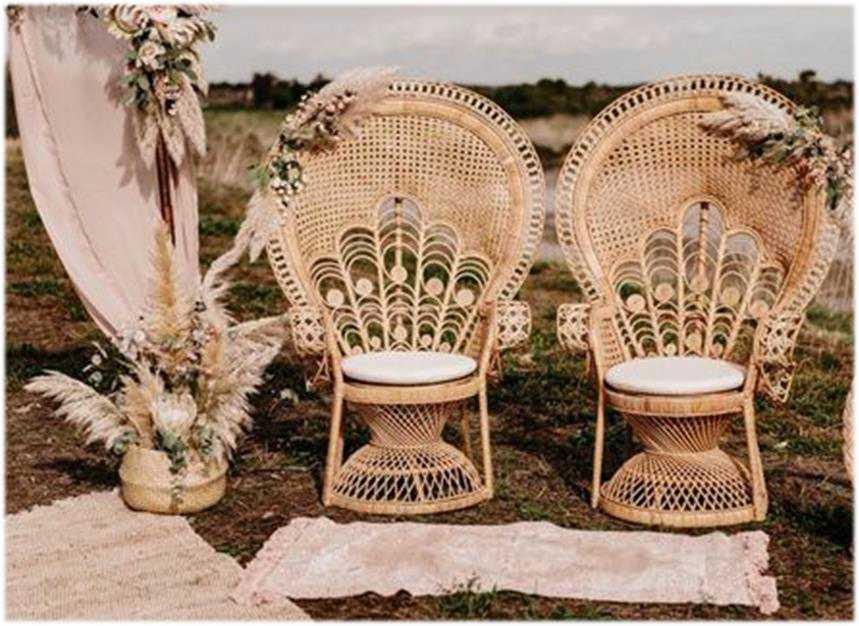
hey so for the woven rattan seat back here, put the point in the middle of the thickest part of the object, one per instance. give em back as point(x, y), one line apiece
point(688, 245)
point(404, 231)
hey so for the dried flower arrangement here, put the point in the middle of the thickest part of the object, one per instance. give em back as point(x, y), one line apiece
point(163, 76)
point(184, 374)
point(766, 133)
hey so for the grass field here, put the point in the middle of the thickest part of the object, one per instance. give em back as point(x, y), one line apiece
point(542, 429)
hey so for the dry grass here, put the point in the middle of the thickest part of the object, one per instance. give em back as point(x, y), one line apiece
point(237, 140)
point(556, 132)
point(542, 435)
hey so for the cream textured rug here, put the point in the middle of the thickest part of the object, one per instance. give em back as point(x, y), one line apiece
point(317, 558)
point(90, 557)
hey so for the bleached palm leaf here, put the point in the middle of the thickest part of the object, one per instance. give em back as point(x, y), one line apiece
point(190, 116)
point(747, 118)
point(137, 398)
point(146, 133)
point(268, 331)
point(369, 86)
point(173, 136)
point(95, 415)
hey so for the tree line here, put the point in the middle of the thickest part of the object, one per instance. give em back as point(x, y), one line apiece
point(525, 100)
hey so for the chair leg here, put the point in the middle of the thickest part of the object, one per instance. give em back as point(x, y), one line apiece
point(598, 448)
point(335, 447)
point(466, 433)
point(483, 401)
point(339, 461)
point(759, 487)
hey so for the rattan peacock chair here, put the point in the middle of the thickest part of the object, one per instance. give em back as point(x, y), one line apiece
point(400, 260)
point(697, 269)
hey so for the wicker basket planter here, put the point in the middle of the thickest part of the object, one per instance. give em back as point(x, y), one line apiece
point(148, 485)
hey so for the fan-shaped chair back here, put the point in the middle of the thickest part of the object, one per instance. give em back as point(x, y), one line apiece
point(687, 245)
point(404, 231)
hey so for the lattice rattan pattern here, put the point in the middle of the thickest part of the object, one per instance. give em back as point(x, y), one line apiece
point(514, 324)
point(453, 153)
point(573, 326)
point(707, 482)
point(407, 466)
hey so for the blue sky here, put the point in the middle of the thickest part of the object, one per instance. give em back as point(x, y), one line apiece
point(496, 45)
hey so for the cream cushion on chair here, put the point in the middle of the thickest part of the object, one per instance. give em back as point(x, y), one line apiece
point(675, 376)
point(407, 368)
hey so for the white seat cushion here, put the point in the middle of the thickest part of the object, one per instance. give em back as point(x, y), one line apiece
point(675, 376)
point(407, 368)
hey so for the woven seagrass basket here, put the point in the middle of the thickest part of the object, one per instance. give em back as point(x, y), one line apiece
point(148, 485)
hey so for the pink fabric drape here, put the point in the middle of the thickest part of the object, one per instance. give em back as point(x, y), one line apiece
point(97, 198)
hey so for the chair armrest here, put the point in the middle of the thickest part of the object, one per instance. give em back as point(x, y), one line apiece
point(512, 324)
point(310, 337)
point(772, 357)
point(573, 326)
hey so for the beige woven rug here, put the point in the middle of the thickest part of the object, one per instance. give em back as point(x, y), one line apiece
point(90, 557)
point(317, 558)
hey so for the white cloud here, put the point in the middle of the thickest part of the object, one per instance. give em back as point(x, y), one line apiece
point(502, 44)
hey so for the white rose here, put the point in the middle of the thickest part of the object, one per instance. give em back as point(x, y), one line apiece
point(148, 54)
point(174, 414)
point(163, 13)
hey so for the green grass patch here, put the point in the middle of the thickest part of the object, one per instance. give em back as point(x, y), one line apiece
point(821, 318)
point(256, 299)
point(31, 219)
point(23, 361)
point(815, 447)
point(36, 288)
point(216, 226)
point(464, 602)
point(818, 391)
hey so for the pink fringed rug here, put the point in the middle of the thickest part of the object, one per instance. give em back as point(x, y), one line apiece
point(317, 558)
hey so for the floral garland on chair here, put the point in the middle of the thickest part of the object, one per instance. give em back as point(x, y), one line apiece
point(321, 121)
point(766, 133)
